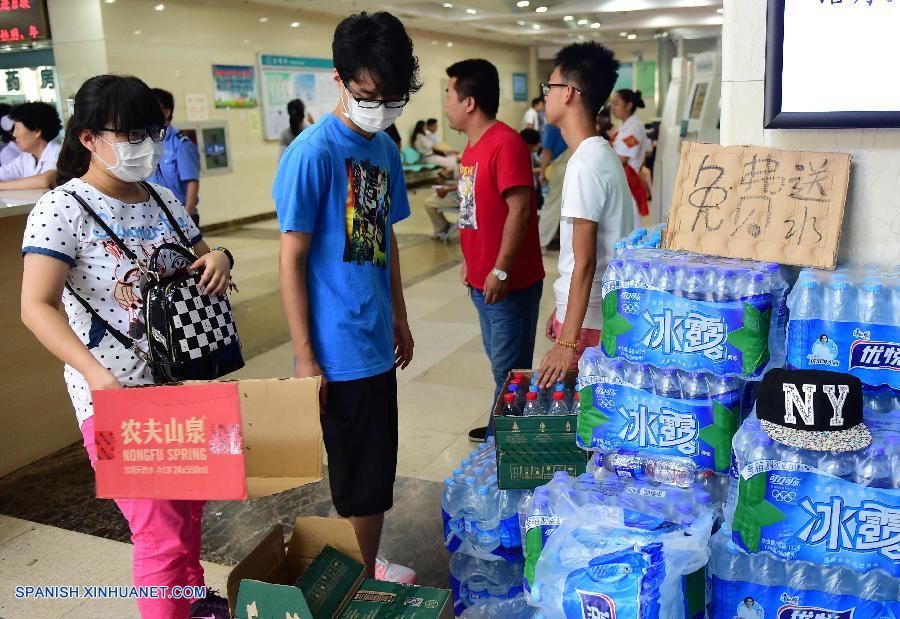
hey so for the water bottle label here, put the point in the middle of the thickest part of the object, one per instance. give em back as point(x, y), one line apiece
point(453, 531)
point(624, 417)
point(488, 538)
point(652, 326)
point(795, 511)
point(732, 598)
point(510, 534)
point(870, 352)
point(615, 585)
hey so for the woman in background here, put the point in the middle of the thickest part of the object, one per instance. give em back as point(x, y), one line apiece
point(630, 142)
point(35, 127)
point(299, 120)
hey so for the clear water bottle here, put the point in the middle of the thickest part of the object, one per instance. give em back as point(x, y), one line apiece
point(840, 304)
point(725, 287)
point(873, 469)
point(487, 533)
point(807, 301)
point(639, 376)
point(667, 384)
point(510, 406)
point(452, 506)
point(576, 403)
point(615, 368)
point(559, 404)
point(892, 453)
point(753, 285)
point(615, 270)
point(895, 303)
point(516, 390)
point(873, 308)
point(695, 284)
point(694, 386)
point(879, 401)
point(666, 279)
point(532, 405)
point(839, 464)
point(763, 449)
point(722, 384)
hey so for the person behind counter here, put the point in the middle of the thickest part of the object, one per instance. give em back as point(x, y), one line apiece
point(114, 141)
point(35, 127)
point(8, 148)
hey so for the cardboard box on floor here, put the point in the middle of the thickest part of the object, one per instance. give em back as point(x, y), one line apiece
point(208, 440)
point(531, 449)
point(262, 585)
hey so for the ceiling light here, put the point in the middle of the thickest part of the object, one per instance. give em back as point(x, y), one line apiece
point(110, 1)
point(582, 22)
point(160, 7)
point(263, 20)
point(568, 18)
point(581, 37)
point(520, 22)
point(536, 26)
point(632, 37)
point(447, 5)
point(434, 42)
point(595, 25)
point(471, 11)
point(295, 24)
point(541, 9)
point(720, 11)
point(449, 43)
point(246, 41)
point(623, 34)
point(137, 32)
point(522, 4)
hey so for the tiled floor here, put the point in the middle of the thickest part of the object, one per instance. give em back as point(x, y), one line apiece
point(446, 391)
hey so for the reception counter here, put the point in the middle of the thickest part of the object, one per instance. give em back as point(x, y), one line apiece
point(37, 416)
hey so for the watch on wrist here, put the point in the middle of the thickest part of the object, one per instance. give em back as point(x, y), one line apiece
point(500, 274)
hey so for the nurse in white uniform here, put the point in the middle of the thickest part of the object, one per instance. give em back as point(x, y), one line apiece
point(35, 128)
point(630, 142)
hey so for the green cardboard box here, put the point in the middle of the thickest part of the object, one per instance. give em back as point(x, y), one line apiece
point(319, 574)
point(531, 449)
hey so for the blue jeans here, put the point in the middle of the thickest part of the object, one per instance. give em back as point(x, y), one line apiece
point(508, 330)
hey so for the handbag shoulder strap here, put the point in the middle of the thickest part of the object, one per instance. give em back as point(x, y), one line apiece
point(123, 339)
point(112, 235)
point(174, 222)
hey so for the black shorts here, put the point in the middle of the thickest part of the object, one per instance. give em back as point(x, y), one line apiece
point(359, 425)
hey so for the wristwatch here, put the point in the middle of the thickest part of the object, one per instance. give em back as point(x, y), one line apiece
point(500, 274)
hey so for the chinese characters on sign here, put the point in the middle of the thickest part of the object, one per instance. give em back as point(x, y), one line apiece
point(757, 203)
point(22, 20)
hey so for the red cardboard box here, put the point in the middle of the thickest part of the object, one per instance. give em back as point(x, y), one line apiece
point(218, 440)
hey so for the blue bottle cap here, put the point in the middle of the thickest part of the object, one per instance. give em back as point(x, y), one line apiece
point(809, 284)
point(559, 387)
point(839, 285)
point(449, 482)
point(470, 481)
point(873, 287)
point(483, 490)
point(513, 388)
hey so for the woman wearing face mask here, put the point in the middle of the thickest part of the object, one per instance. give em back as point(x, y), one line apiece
point(114, 140)
point(35, 127)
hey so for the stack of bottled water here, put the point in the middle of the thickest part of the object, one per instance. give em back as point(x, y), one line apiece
point(674, 309)
point(598, 556)
point(481, 529)
point(640, 238)
point(748, 585)
point(525, 398)
point(848, 321)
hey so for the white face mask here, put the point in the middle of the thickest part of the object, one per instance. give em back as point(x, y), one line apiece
point(134, 162)
point(370, 120)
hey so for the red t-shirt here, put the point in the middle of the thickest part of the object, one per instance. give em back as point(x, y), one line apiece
point(498, 161)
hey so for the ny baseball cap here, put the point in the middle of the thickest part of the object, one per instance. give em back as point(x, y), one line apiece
point(813, 409)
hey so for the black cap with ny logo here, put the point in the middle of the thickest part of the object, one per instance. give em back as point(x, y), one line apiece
point(813, 409)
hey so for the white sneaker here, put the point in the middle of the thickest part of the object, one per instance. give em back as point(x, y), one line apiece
point(392, 572)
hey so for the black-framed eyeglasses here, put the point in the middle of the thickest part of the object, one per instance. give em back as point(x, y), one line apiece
point(157, 133)
point(376, 103)
point(545, 88)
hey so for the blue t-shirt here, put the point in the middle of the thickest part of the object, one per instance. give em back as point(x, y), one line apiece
point(347, 192)
point(180, 163)
point(553, 141)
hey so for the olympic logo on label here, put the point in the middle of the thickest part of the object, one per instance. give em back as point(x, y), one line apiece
point(784, 496)
point(630, 308)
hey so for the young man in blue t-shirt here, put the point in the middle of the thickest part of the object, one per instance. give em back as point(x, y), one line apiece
point(338, 192)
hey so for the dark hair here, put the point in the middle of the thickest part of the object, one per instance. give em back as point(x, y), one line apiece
point(419, 128)
point(120, 102)
point(431, 121)
point(536, 100)
point(296, 110)
point(165, 99)
point(377, 44)
point(749, 598)
point(633, 97)
point(477, 78)
point(38, 116)
point(531, 136)
point(604, 120)
point(592, 69)
point(394, 134)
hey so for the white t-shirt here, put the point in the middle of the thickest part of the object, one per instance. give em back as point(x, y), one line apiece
point(24, 165)
point(9, 152)
point(423, 145)
point(530, 118)
point(101, 274)
point(594, 188)
point(631, 142)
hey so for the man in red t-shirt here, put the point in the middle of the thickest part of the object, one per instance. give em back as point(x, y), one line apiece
point(502, 264)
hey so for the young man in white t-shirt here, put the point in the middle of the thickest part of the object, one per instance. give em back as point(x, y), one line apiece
point(597, 207)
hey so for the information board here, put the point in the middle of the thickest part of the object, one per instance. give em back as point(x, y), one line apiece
point(283, 78)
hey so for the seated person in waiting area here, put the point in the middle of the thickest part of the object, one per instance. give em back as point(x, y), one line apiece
point(424, 143)
point(34, 127)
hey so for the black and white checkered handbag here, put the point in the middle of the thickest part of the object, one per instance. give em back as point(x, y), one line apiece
point(191, 335)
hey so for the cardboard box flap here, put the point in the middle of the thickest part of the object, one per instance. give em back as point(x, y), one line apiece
point(282, 434)
point(266, 563)
point(262, 600)
point(330, 582)
point(312, 534)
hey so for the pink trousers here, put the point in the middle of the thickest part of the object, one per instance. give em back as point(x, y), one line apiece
point(587, 338)
point(166, 538)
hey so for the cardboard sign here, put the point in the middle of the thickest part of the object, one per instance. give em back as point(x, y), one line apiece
point(215, 441)
point(759, 204)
